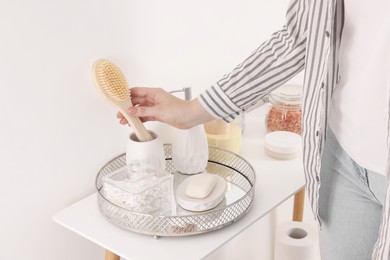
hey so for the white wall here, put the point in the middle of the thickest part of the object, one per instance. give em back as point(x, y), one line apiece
point(55, 129)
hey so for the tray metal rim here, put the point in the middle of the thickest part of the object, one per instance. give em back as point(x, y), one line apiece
point(250, 194)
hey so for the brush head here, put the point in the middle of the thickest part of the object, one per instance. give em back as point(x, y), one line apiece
point(111, 83)
point(110, 80)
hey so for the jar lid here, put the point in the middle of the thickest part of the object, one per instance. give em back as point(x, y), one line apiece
point(289, 94)
point(283, 142)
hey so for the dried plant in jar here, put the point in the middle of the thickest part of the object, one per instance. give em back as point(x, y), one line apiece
point(285, 112)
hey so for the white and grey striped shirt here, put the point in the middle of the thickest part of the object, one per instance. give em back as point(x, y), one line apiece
point(310, 40)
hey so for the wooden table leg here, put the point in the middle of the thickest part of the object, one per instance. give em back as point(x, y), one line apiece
point(111, 256)
point(299, 201)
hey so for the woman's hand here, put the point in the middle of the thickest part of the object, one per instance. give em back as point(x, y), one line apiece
point(155, 104)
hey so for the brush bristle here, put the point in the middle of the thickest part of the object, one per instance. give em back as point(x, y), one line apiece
point(111, 80)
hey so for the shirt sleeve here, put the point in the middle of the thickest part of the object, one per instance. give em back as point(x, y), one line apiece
point(273, 63)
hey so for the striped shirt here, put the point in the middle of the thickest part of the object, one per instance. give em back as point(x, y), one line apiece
point(309, 40)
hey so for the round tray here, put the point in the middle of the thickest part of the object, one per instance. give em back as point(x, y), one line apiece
point(239, 174)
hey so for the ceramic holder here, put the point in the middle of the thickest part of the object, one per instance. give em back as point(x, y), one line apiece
point(149, 152)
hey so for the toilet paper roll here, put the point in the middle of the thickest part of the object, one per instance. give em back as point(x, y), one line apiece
point(296, 241)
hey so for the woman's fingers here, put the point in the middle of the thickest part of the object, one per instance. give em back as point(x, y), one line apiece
point(119, 115)
point(143, 112)
point(138, 112)
point(141, 101)
point(143, 92)
point(123, 121)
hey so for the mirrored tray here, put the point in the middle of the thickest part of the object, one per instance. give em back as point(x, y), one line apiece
point(238, 173)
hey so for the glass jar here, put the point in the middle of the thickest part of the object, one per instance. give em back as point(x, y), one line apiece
point(285, 109)
point(224, 135)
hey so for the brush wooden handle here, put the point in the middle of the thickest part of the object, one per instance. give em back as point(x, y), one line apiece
point(138, 127)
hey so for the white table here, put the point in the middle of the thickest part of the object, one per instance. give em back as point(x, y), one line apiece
point(276, 181)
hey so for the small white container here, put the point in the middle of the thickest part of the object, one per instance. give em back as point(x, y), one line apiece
point(282, 145)
point(150, 152)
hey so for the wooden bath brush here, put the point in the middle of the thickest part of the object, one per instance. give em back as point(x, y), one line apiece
point(112, 84)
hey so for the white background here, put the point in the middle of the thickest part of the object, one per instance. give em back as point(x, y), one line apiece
point(56, 131)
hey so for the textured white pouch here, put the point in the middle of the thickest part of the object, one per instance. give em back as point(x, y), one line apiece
point(190, 150)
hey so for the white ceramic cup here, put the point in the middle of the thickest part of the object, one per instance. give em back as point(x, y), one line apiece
point(150, 152)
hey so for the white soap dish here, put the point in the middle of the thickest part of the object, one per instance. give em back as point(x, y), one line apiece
point(215, 197)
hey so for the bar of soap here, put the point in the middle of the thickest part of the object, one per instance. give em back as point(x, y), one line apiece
point(201, 185)
point(213, 199)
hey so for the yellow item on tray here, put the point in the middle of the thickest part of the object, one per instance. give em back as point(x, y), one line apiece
point(230, 141)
